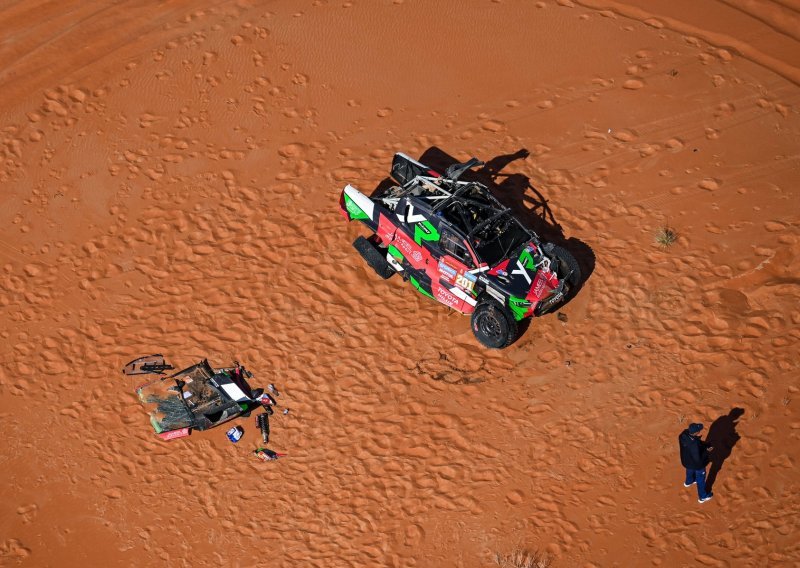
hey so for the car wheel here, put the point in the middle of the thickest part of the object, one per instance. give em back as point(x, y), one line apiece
point(493, 325)
point(567, 267)
point(374, 257)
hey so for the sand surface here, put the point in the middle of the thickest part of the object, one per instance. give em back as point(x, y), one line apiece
point(170, 172)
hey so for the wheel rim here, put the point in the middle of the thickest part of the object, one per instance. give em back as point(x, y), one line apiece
point(489, 326)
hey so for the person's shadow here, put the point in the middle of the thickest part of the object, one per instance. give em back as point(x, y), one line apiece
point(722, 437)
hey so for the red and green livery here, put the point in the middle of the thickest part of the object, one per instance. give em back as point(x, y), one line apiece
point(457, 244)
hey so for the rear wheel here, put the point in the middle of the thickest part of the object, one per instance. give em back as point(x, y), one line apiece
point(567, 269)
point(374, 257)
point(493, 325)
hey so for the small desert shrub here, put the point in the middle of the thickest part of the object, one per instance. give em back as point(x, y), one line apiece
point(666, 236)
point(521, 558)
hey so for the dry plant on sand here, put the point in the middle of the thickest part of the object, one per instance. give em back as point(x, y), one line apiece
point(666, 236)
point(521, 558)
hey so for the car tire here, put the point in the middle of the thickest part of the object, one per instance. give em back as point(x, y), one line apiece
point(374, 257)
point(563, 264)
point(567, 265)
point(493, 325)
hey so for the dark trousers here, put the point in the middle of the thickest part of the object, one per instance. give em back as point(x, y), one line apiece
point(697, 476)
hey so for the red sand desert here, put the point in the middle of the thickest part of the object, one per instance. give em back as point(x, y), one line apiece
point(170, 181)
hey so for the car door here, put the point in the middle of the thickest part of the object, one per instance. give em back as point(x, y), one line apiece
point(456, 283)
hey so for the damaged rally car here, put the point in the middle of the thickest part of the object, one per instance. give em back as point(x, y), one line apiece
point(197, 398)
point(456, 243)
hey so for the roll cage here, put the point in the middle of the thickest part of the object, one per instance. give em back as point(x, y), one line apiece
point(488, 228)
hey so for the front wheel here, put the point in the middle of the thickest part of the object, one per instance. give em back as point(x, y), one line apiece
point(493, 325)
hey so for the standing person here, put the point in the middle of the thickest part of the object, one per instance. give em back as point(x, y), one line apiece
point(694, 457)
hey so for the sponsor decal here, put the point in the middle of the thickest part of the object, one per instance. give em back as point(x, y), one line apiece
point(466, 281)
point(353, 209)
point(424, 231)
point(407, 248)
point(521, 270)
point(447, 272)
point(538, 286)
point(445, 297)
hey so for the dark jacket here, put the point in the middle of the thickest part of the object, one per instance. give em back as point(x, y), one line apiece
point(694, 452)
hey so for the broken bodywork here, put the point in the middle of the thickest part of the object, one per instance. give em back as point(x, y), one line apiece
point(197, 398)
